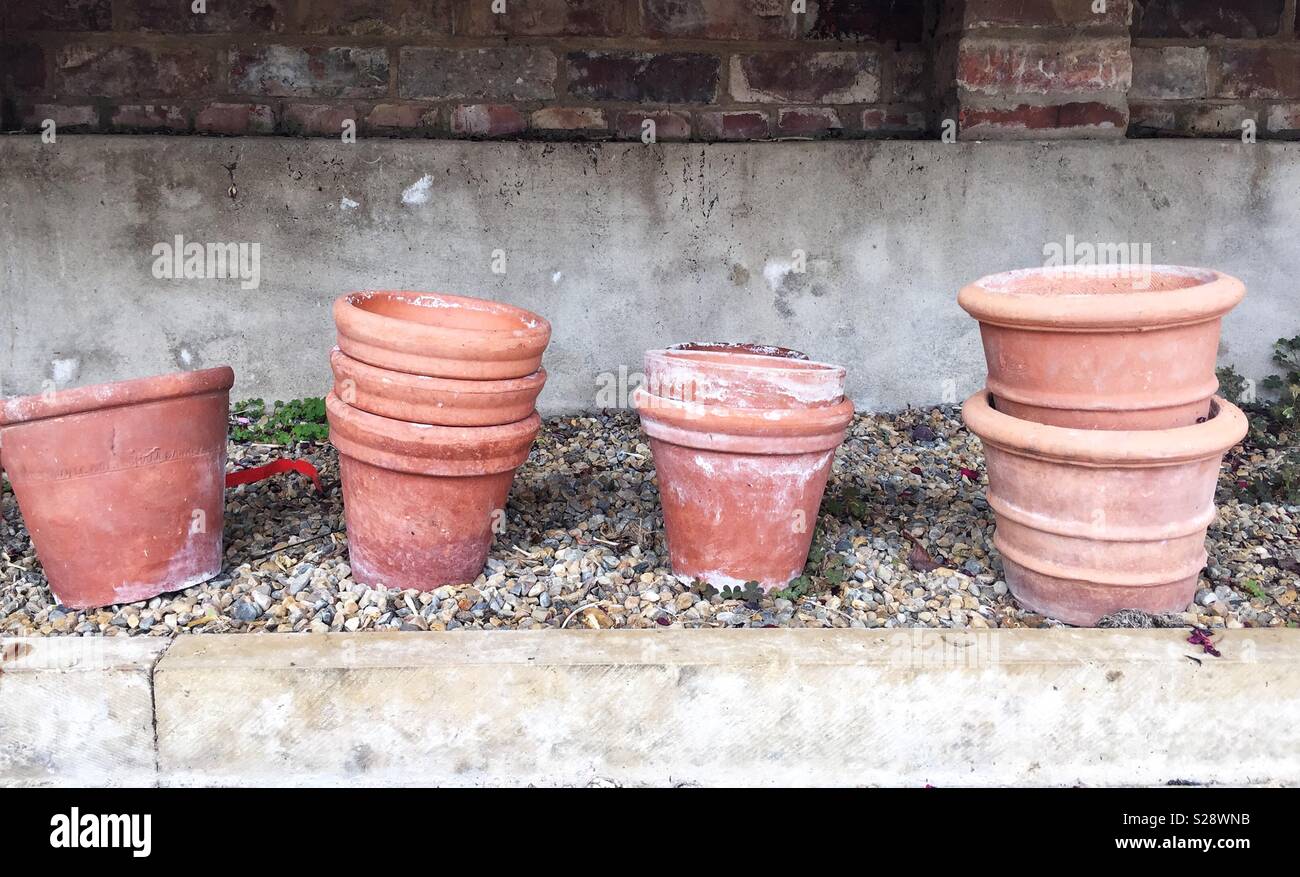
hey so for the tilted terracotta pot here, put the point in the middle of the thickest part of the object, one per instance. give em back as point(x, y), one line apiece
point(438, 401)
point(742, 379)
point(741, 487)
point(1089, 521)
point(420, 501)
point(1081, 347)
point(121, 485)
point(440, 335)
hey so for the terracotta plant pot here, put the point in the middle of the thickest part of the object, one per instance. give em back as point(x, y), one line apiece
point(439, 335)
point(121, 485)
point(1081, 347)
point(420, 501)
point(438, 401)
point(741, 486)
point(1090, 522)
point(741, 379)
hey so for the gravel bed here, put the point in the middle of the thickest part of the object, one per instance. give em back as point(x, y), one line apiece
point(904, 540)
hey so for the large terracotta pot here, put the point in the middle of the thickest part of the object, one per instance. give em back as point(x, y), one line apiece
point(420, 501)
point(1090, 522)
point(440, 335)
point(1082, 347)
point(741, 379)
point(121, 485)
point(438, 401)
point(741, 486)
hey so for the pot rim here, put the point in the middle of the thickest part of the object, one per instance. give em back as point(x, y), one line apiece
point(1002, 299)
point(115, 394)
point(738, 347)
point(488, 387)
point(745, 362)
point(530, 326)
point(742, 430)
point(1106, 448)
point(426, 448)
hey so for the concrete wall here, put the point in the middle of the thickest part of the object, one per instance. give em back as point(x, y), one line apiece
point(751, 708)
point(621, 246)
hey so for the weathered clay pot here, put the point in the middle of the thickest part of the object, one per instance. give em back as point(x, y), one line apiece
point(439, 335)
point(742, 379)
point(1093, 521)
point(420, 501)
point(438, 401)
point(1081, 347)
point(121, 485)
point(741, 486)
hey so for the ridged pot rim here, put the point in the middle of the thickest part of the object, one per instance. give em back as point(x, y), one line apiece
point(427, 449)
point(1117, 448)
point(808, 382)
point(739, 347)
point(742, 430)
point(532, 330)
point(1076, 298)
point(115, 394)
point(489, 387)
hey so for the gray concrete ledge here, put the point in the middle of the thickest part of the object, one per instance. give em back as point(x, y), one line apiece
point(751, 708)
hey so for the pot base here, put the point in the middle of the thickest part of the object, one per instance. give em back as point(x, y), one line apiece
point(1083, 604)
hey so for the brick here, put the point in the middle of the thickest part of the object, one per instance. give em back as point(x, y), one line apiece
point(880, 20)
point(1147, 120)
point(669, 125)
point(235, 119)
point(733, 125)
point(545, 18)
point(884, 120)
point(486, 120)
point(323, 120)
point(911, 78)
point(1041, 68)
point(222, 16)
point(1065, 119)
point(24, 67)
point(1284, 119)
point(1220, 121)
point(131, 71)
point(61, 15)
point(806, 77)
point(77, 116)
point(401, 116)
point(150, 117)
point(577, 120)
point(718, 19)
point(1198, 19)
point(1169, 72)
point(509, 73)
point(376, 17)
point(309, 71)
point(1045, 13)
point(1259, 72)
point(669, 77)
point(807, 121)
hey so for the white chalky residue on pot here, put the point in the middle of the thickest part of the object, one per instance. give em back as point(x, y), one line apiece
point(346, 203)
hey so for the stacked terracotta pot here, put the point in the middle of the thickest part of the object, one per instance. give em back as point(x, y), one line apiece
point(1102, 431)
point(432, 411)
point(743, 438)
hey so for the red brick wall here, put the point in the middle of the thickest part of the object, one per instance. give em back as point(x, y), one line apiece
point(1201, 68)
point(701, 69)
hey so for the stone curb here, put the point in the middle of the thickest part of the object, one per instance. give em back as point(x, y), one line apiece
point(715, 707)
